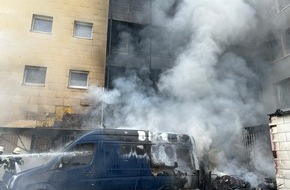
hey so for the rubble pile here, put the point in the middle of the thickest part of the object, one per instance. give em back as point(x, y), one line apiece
point(269, 184)
point(227, 182)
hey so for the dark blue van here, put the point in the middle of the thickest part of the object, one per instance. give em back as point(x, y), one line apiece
point(117, 159)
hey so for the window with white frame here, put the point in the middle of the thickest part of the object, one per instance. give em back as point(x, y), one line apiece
point(78, 79)
point(34, 75)
point(41, 23)
point(83, 30)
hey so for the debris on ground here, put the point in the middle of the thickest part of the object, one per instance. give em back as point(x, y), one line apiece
point(227, 182)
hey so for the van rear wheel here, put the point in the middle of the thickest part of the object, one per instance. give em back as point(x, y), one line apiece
point(168, 187)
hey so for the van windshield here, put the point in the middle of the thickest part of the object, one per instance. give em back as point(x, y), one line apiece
point(171, 154)
point(57, 153)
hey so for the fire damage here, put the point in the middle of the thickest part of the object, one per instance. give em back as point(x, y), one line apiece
point(173, 155)
point(138, 160)
point(167, 155)
point(227, 182)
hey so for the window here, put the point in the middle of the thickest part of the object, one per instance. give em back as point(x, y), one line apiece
point(82, 155)
point(129, 38)
point(83, 30)
point(78, 79)
point(283, 93)
point(129, 149)
point(34, 75)
point(287, 40)
point(163, 155)
point(41, 24)
point(8, 141)
point(129, 156)
point(136, 11)
point(283, 4)
point(276, 49)
point(183, 154)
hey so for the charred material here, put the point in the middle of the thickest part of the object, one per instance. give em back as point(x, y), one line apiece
point(179, 179)
point(227, 182)
point(269, 184)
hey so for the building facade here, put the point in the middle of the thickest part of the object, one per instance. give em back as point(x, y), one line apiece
point(135, 42)
point(280, 51)
point(280, 141)
point(51, 52)
point(279, 121)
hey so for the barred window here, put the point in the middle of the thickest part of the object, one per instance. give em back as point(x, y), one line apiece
point(283, 4)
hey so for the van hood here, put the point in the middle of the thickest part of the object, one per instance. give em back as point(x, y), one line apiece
point(25, 178)
point(31, 170)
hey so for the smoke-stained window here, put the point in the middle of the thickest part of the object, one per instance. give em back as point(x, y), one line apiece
point(163, 155)
point(83, 30)
point(131, 149)
point(287, 40)
point(276, 49)
point(34, 75)
point(8, 141)
point(161, 41)
point(136, 11)
point(283, 93)
point(41, 23)
point(283, 4)
point(78, 79)
point(129, 38)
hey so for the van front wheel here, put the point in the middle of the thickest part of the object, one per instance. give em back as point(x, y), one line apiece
point(3, 185)
point(41, 187)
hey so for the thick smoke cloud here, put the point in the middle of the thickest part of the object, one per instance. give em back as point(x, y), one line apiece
point(213, 89)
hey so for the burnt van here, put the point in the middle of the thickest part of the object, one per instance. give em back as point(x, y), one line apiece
point(117, 159)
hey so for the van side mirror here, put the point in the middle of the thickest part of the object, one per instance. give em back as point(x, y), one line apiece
point(175, 165)
point(64, 161)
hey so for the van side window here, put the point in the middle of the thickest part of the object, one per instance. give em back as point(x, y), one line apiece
point(125, 149)
point(83, 154)
point(141, 149)
point(126, 159)
point(138, 149)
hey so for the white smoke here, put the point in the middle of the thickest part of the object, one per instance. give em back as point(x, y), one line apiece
point(212, 91)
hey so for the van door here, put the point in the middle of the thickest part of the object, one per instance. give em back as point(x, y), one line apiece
point(79, 167)
point(123, 167)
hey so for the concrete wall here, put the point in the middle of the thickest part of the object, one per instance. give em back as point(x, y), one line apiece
point(280, 140)
point(59, 51)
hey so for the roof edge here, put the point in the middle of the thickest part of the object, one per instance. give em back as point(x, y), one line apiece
point(280, 112)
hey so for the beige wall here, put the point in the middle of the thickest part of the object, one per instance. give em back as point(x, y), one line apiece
point(23, 105)
point(280, 140)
